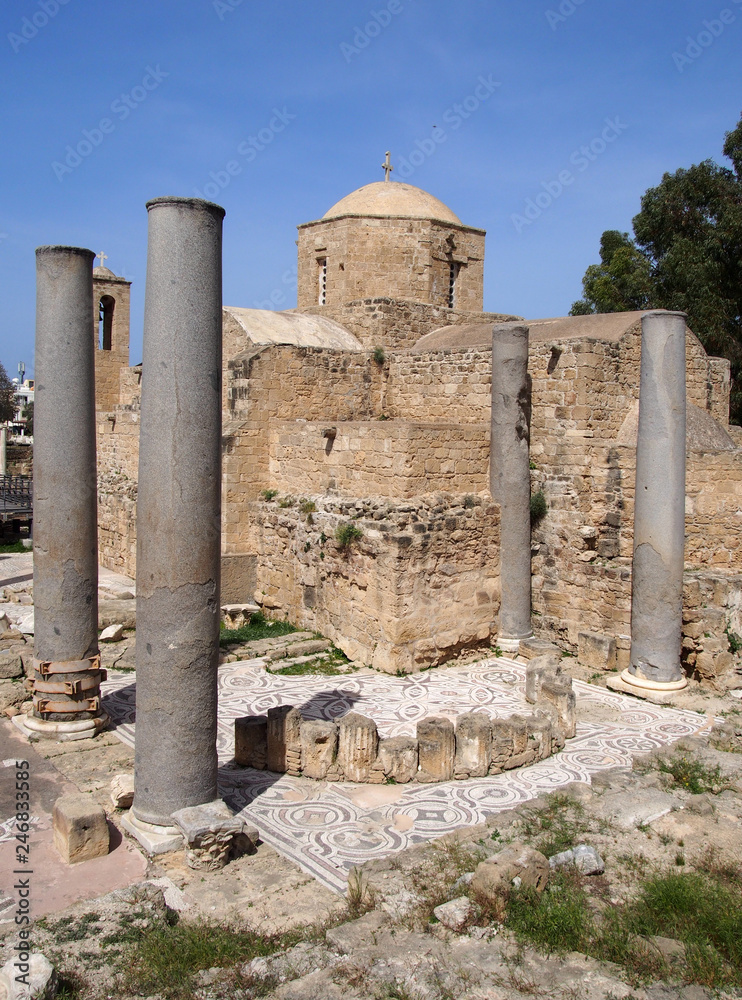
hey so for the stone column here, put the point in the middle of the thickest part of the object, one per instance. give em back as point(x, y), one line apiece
point(178, 519)
point(659, 509)
point(510, 480)
point(66, 682)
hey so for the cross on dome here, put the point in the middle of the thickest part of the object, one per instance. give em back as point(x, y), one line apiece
point(386, 166)
point(103, 258)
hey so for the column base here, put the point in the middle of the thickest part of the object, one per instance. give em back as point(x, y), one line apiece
point(61, 731)
point(509, 645)
point(659, 693)
point(153, 838)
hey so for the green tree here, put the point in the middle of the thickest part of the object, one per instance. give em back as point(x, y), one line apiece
point(28, 417)
point(686, 255)
point(7, 397)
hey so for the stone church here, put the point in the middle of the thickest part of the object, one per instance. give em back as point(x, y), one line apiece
point(368, 407)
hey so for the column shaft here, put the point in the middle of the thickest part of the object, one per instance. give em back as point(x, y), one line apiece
point(179, 511)
point(510, 481)
point(65, 489)
point(659, 512)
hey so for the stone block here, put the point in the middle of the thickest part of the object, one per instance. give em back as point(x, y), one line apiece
point(319, 740)
point(251, 741)
point(398, 757)
point(358, 742)
point(80, 829)
point(236, 616)
point(284, 740)
point(541, 735)
point(437, 749)
point(455, 914)
point(529, 649)
point(213, 835)
point(517, 865)
point(596, 650)
point(502, 745)
point(583, 858)
point(113, 633)
point(473, 745)
point(117, 612)
point(122, 791)
point(557, 694)
point(540, 667)
point(11, 664)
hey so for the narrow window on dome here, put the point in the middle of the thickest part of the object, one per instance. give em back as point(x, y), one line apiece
point(322, 281)
point(453, 274)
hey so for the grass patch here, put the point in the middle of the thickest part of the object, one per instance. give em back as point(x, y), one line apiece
point(165, 960)
point(557, 827)
point(259, 627)
point(539, 507)
point(70, 929)
point(691, 774)
point(331, 666)
point(13, 547)
point(702, 911)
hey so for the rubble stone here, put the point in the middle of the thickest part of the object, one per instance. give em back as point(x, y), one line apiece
point(493, 877)
point(122, 791)
point(596, 650)
point(398, 757)
point(473, 745)
point(437, 748)
point(319, 740)
point(213, 835)
point(358, 741)
point(251, 741)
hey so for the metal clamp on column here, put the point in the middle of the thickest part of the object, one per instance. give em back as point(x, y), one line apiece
point(72, 688)
point(45, 667)
point(44, 707)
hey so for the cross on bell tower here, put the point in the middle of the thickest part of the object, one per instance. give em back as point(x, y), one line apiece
point(386, 166)
point(103, 258)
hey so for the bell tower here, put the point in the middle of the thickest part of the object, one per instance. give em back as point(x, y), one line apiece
point(111, 300)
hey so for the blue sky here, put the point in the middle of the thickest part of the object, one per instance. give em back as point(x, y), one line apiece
point(183, 85)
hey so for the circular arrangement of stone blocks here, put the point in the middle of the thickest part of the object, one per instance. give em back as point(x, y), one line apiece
point(350, 748)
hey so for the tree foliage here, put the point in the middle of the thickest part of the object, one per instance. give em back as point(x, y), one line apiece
point(7, 397)
point(686, 254)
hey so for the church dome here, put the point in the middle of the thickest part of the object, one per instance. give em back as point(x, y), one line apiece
point(392, 199)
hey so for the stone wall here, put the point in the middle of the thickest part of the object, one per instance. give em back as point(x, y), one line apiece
point(421, 583)
point(397, 324)
point(19, 459)
point(383, 458)
point(402, 258)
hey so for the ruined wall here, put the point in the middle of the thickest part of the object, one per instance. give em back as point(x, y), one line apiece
point(421, 583)
point(397, 257)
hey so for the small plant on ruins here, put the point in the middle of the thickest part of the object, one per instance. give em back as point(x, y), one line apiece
point(379, 356)
point(539, 507)
point(691, 774)
point(288, 501)
point(346, 534)
point(734, 640)
point(268, 494)
point(259, 627)
point(469, 501)
point(307, 506)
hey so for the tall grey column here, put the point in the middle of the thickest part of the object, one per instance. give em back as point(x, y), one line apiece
point(179, 511)
point(659, 511)
point(67, 674)
point(510, 480)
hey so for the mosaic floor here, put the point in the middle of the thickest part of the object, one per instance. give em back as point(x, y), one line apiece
point(326, 828)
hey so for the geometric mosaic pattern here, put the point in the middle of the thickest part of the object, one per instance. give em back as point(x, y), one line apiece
point(327, 827)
